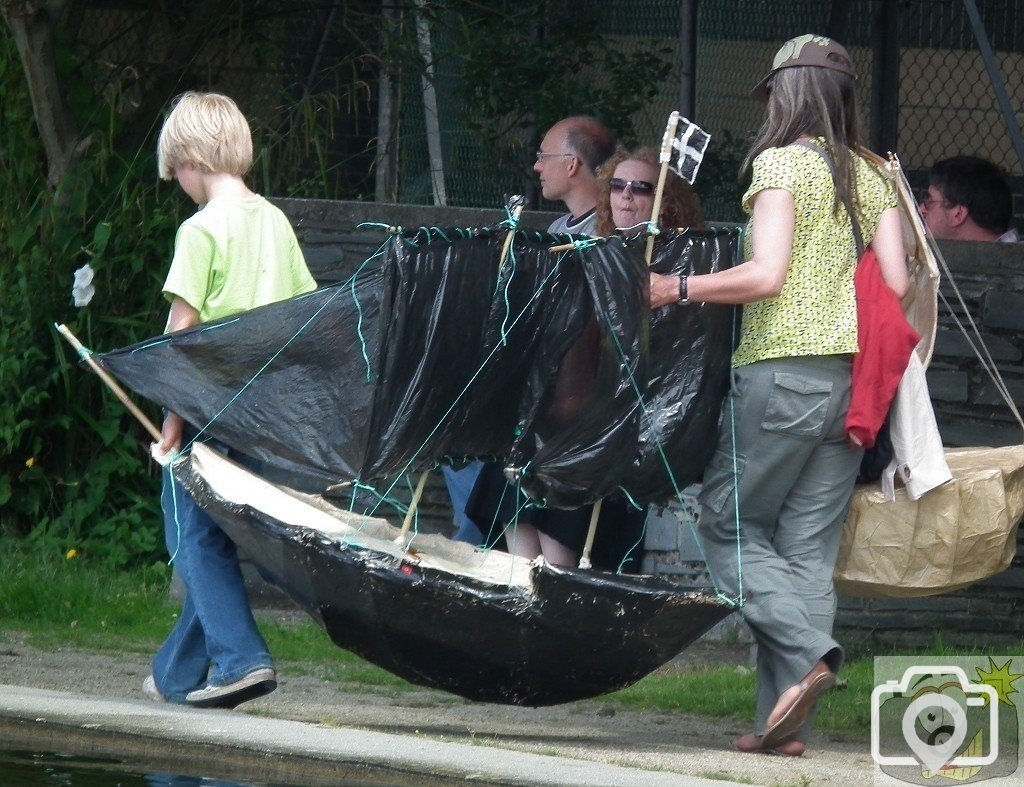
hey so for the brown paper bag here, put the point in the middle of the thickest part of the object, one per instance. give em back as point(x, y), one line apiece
point(957, 534)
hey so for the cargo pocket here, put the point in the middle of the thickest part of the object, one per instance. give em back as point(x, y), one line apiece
point(720, 479)
point(797, 406)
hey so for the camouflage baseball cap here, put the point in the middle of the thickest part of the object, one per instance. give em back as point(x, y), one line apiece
point(806, 50)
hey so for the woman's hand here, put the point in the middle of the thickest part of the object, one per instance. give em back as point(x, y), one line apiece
point(664, 290)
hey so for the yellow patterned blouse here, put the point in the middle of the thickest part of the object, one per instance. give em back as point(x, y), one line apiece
point(815, 314)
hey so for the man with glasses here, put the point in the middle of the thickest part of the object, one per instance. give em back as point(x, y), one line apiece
point(569, 154)
point(567, 161)
point(969, 198)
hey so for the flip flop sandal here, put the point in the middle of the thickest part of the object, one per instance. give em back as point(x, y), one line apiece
point(796, 714)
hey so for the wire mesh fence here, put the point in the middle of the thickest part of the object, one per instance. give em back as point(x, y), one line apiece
point(324, 81)
point(922, 52)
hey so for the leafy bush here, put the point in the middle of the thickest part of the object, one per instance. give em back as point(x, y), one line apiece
point(72, 468)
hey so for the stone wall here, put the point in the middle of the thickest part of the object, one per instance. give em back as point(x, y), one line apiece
point(990, 278)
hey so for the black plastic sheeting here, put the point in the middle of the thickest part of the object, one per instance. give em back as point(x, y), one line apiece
point(436, 350)
point(572, 635)
point(688, 374)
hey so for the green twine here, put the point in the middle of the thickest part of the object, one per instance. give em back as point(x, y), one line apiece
point(735, 494)
point(174, 506)
point(494, 521)
point(581, 244)
point(510, 264)
point(378, 225)
point(511, 221)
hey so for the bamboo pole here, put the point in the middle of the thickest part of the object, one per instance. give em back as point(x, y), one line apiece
point(416, 495)
point(111, 383)
point(666, 152)
point(595, 514)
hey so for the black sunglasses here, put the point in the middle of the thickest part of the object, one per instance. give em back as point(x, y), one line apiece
point(636, 186)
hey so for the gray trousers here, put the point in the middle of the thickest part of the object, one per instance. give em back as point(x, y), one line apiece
point(783, 494)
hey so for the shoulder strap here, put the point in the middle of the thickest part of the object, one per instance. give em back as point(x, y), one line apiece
point(858, 239)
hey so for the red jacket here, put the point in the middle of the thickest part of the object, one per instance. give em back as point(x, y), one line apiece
point(886, 341)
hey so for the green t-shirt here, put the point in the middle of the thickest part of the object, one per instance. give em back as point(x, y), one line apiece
point(816, 313)
point(234, 255)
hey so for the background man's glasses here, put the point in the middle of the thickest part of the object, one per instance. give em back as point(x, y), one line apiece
point(541, 155)
point(636, 186)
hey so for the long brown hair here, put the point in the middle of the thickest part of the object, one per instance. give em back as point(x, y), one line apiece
point(680, 206)
point(813, 102)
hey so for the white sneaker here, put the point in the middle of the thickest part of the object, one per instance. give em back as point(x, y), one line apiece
point(254, 684)
point(150, 690)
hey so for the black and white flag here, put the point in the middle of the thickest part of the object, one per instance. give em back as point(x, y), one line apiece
point(683, 147)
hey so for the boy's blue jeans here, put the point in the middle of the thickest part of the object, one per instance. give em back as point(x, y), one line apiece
point(215, 640)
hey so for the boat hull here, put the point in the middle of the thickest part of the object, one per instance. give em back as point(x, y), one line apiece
point(559, 636)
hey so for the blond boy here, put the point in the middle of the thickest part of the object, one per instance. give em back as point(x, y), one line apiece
point(235, 253)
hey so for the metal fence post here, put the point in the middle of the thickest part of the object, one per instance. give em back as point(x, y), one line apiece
point(885, 76)
point(688, 77)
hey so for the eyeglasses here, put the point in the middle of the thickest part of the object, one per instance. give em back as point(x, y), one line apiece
point(928, 204)
point(636, 186)
point(541, 155)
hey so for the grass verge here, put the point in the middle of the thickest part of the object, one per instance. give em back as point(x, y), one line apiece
point(62, 601)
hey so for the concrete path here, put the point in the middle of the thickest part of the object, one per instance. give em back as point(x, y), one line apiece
point(172, 736)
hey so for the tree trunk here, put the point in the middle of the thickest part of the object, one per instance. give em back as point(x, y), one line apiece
point(31, 24)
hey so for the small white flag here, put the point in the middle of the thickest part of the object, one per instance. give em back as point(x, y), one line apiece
point(683, 147)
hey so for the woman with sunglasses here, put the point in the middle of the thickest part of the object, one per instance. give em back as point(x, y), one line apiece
point(782, 478)
point(626, 184)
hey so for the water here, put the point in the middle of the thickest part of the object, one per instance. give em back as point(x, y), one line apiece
point(21, 768)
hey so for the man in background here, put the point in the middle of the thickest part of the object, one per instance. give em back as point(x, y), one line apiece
point(569, 156)
point(969, 198)
point(567, 162)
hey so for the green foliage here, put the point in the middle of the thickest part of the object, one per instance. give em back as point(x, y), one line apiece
point(73, 470)
point(718, 186)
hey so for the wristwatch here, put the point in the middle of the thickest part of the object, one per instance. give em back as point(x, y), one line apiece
point(682, 289)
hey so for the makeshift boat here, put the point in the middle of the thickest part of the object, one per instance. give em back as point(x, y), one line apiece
point(477, 623)
point(445, 348)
